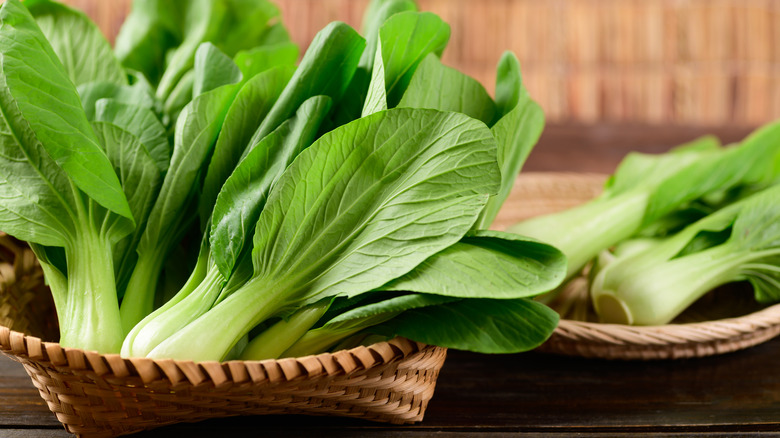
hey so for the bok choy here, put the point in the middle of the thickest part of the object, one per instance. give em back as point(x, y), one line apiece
point(654, 285)
point(312, 206)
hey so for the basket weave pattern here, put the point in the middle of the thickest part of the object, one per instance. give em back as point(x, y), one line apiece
point(97, 395)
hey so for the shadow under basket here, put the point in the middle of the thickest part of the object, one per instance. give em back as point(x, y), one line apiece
point(96, 395)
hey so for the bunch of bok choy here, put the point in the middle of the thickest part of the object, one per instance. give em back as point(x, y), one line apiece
point(670, 227)
point(196, 193)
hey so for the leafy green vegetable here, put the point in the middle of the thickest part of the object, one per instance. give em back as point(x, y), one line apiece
point(259, 59)
point(407, 38)
point(342, 235)
point(238, 206)
point(149, 32)
point(28, 84)
point(517, 130)
point(248, 110)
point(140, 178)
point(484, 265)
point(654, 285)
point(137, 94)
point(60, 186)
point(326, 69)
point(310, 221)
point(249, 185)
point(84, 52)
point(197, 130)
point(645, 188)
point(376, 100)
point(344, 325)
point(142, 123)
point(353, 105)
point(487, 264)
point(377, 13)
point(213, 69)
point(437, 86)
point(160, 40)
point(483, 325)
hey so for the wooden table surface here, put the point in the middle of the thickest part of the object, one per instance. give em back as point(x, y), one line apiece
point(535, 393)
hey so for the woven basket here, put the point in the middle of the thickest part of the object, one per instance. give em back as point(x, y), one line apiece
point(693, 334)
point(97, 395)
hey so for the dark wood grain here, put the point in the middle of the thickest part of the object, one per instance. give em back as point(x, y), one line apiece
point(536, 393)
point(533, 393)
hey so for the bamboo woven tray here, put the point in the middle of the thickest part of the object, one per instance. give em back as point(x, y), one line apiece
point(105, 395)
point(701, 331)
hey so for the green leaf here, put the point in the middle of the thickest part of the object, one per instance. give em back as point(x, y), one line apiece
point(213, 69)
point(175, 207)
point(78, 42)
point(440, 163)
point(517, 131)
point(274, 34)
point(487, 264)
point(479, 325)
point(36, 199)
point(357, 319)
point(639, 170)
point(623, 209)
point(178, 99)
point(375, 16)
point(353, 101)
point(202, 20)
point(246, 25)
point(142, 123)
point(147, 35)
point(231, 25)
point(196, 132)
point(140, 178)
point(259, 59)
point(758, 225)
point(243, 195)
point(407, 38)
point(377, 96)
point(656, 283)
point(437, 86)
point(509, 84)
point(247, 111)
point(365, 204)
point(326, 69)
point(516, 134)
point(391, 306)
point(752, 162)
point(35, 84)
point(137, 94)
point(137, 170)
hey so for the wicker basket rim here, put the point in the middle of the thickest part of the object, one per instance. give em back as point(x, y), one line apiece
point(713, 329)
point(669, 341)
point(146, 371)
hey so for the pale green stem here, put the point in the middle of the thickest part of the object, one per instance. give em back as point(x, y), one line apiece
point(165, 324)
point(196, 277)
point(584, 231)
point(213, 335)
point(91, 319)
point(138, 301)
point(272, 342)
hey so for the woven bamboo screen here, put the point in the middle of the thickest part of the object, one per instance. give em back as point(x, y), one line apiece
point(650, 61)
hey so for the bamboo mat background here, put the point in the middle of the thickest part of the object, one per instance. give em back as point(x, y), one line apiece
point(706, 62)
